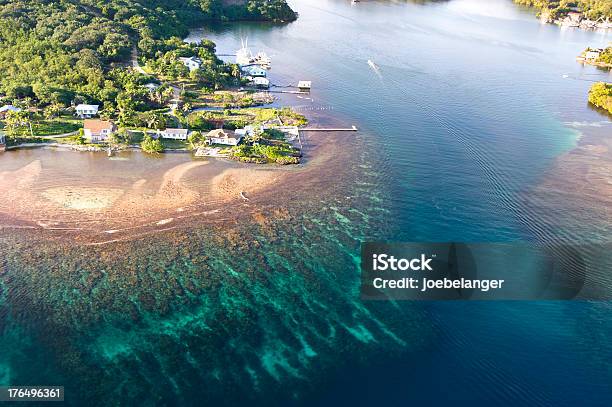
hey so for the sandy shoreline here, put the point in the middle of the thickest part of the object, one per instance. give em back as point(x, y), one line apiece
point(29, 195)
point(88, 194)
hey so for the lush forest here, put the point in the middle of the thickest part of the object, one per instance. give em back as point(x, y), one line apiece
point(592, 9)
point(601, 96)
point(72, 51)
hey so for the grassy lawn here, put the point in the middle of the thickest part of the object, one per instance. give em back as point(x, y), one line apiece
point(54, 127)
point(288, 116)
point(227, 99)
point(174, 144)
point(13, 141)
point(64, 140)
point(240, 117)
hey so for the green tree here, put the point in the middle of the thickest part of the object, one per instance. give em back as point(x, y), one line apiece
point(600, 95)
point(53, 110)
point(196, 139)
point(155, 120)
point(17, 122)
point(58, 51)
point(150, 145)
point(79, 138)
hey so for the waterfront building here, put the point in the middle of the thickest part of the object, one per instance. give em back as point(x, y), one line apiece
point(220, 136)
point(254, 71)
point(304, 85)
point(174, 134)
point(592, 55)
point(263, 83)
point(97, 131)
point(246, 131)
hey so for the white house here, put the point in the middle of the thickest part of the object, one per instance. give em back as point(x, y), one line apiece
point(175, 134)
point(220, 136)
point(4, 110)
point(193, 63)
point(247, 131)
point(289, 131)
point(254, 71)
point(96, 131)
point(304, 85)
point(592, 55)
point(87, 111)
point(261, 82)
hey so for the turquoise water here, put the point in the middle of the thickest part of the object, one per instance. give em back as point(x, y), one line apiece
point(468, 106)
point(471, 104)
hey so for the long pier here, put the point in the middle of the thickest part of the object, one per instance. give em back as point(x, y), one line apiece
point(293, 92)
point(354, 128)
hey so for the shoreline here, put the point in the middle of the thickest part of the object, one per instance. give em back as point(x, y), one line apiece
point(584, 61)
point(90, 149)
point(181, 193)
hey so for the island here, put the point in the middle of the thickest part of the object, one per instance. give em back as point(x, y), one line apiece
point(110, 75)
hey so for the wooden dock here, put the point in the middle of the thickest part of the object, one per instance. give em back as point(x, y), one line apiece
point(292, 92)
point(354, 128)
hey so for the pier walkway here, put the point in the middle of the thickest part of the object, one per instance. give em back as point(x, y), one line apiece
point(354, 128)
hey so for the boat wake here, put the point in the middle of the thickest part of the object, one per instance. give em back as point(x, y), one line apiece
point(375, 68)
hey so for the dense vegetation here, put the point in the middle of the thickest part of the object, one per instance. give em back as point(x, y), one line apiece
point(554, 9)
point(606, 56)
point(266, 147)
point(600, 95)
point(71, 51)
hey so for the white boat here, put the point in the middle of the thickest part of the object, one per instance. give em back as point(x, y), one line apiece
point(244, 56)
point(263, 59)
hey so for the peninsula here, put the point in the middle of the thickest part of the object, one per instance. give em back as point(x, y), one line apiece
point(98, 75)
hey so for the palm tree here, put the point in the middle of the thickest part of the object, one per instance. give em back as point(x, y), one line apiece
point(53, 110)
point(15, 120)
